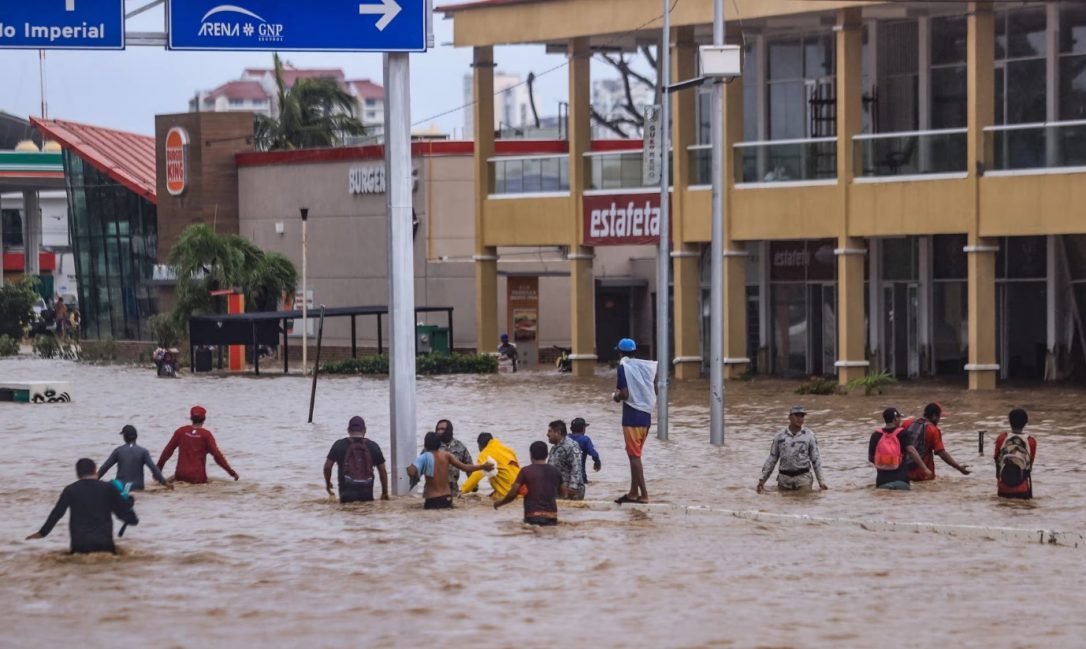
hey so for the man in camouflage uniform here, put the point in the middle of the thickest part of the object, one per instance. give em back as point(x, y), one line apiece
point(566, 457)
point(454, 447)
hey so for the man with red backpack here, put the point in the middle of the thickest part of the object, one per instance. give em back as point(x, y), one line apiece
point(356, 458)
point(928, 440)
point(888, 450)
point(1014, 457)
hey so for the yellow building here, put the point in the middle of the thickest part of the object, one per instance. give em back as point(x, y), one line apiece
point(904, 183)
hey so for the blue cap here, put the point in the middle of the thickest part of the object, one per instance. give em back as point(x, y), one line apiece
point(626, 345)
point(504, 337)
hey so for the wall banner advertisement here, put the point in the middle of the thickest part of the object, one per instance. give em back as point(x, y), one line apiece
point(621, 219)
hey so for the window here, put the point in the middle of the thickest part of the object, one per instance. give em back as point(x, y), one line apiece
point(948, 83)
point(1020, 66)
point(1072, 63)
point(12, 227)
point(898, 76)
point(801, 92)
point(237, 102)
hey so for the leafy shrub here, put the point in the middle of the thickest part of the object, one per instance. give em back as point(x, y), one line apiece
point(8, 346)
point(103, 351)
point(164, 330)
point(17, 300)
point(426, 364)
point(872, 383)
point(819, 385)
point(46, 345)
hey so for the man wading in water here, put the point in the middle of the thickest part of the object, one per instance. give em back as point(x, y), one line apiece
point(433, 464)
point(93, 504)
point(636, 391)
point(444, 430)
point(797, 450)
point(195, 443)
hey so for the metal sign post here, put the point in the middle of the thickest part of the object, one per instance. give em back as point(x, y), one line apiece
point(716, 249)
point(663, 256)
point(305, 295)
point(401, 267)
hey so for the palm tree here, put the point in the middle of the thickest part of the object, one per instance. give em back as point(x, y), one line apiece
point(312, 113)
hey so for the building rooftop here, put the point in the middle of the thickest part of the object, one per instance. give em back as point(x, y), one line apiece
point(125, 157)
point(238, 90)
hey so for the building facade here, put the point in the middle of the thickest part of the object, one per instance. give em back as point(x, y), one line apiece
point(903, 187)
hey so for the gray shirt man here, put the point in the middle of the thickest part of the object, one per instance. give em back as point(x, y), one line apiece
point(797, 453)
point(130, 460)
point(566, 457)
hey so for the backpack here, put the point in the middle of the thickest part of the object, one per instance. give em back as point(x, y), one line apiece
point(917, 432)
point(888, 451)
point(358, 464)
point(1014, 460)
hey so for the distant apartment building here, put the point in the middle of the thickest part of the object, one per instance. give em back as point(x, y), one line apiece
point(610, 101)
point(256, 91)
point(512, 104)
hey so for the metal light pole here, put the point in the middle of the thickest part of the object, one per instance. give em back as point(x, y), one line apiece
point(716, 248)
point(305, 302)
point(663, 255)
point(401, 266)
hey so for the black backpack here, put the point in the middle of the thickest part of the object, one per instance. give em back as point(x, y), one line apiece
point(916, 436)
point(358, 464)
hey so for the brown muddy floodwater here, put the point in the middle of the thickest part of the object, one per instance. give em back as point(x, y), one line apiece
point(271, 561)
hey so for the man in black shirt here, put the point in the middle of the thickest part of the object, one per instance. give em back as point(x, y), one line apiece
point(347, 457)
point(897, 478)
point(92, 503)
point(542, 480)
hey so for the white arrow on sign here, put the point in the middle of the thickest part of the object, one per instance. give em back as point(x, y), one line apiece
point(389, 9)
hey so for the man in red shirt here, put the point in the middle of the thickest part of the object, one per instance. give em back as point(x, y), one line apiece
point(932, 445)
point(195, 442)
point(1022, 479)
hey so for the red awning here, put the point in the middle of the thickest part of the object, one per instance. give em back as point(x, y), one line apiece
point(15, 262)
point(125, 157)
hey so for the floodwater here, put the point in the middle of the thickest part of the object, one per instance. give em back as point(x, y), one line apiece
point(270, 560)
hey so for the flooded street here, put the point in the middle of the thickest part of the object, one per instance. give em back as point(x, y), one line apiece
point(271, 560)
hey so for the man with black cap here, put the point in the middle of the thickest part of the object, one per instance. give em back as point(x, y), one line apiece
point(195, 443)
point(796, 449)
point(356, 457)
point(93, 505)
point(577, 434)
point(888, 449)
point(130, 459)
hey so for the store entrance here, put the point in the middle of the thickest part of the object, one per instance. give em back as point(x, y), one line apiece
point(901, 348)
point(1022, 329)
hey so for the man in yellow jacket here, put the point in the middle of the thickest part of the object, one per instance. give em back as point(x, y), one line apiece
point(506, 467)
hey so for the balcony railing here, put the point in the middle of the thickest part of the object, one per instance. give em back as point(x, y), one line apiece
point(1038, 146)
point(910, 153)
point(780, 161)
point(534, 174)
point(616, 170)
point(701, 164)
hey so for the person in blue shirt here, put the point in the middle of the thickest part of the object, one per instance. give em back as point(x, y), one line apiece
point(577, 434)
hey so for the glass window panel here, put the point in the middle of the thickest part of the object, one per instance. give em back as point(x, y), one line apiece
point(750, 97)
point(1000, 97)
point(1001, 35)
point(789, 313)
point(611, 172)
point(705, 102)
point(1073, 28)
point(532, 170)
point(549, 172)
point(1075, 245)
point(948, 35)
point(818, 56)
point(1026, 34)
point(948, 256)
point(785, 59)
point(1026, 257)
point(898, 43)
point(948, 97)
point(1025, 91)
point(1073, 87)
point(898, 105)
point(899, 259)
point(787, 110)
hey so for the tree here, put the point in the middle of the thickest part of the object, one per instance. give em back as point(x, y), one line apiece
point(312, 113)
point(17, 300)
point(205, 261)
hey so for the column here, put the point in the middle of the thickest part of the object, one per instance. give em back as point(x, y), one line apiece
point(486, 257)
point(736, 361)
point(686, 256)
point(851, 350)
point(582, 292)
point(980, 80)
point(31, 233)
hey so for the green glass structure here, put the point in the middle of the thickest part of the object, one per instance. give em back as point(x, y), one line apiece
point(114, 234)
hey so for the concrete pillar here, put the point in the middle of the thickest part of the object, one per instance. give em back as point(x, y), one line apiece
point(736, 361)
point(582, 291)
point(31, 233)
point(685, 272)
point(980, 81)
point(486, 257)
point(852, 360)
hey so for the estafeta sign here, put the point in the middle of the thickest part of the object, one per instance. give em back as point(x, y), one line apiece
point(177, 153)
point(621, 219)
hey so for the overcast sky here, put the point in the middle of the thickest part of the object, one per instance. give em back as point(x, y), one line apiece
point(125, 90)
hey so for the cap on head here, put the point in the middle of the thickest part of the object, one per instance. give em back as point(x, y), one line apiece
point(626, 345)
point(129, 431)
point(577, 425)
point(890, 414)
point(198, 412)
point(356, 425)
point(504, 337)
point(797, 410)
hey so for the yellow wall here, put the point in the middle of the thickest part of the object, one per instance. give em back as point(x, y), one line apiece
point(1041, 204)
point(784, 213)
point(915, 207)
point(535, 221)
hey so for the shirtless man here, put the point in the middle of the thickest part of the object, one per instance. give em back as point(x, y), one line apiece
point(433, 464)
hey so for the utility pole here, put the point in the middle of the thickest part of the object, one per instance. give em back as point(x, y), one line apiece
point(663, 255)
point(305, 301)
point(716, 247)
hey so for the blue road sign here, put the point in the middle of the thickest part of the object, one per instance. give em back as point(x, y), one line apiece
point(294, 25)
point(62, 24)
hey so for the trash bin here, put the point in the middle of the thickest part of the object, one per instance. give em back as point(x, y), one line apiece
point(202, 360)
point(431, 339)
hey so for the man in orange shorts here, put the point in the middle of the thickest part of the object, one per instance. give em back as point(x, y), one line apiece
point(636, 391)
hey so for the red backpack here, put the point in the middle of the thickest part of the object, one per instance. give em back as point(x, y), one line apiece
point(888, 450)
point(358, 464)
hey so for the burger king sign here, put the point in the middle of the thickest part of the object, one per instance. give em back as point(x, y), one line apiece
point(177, 152)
